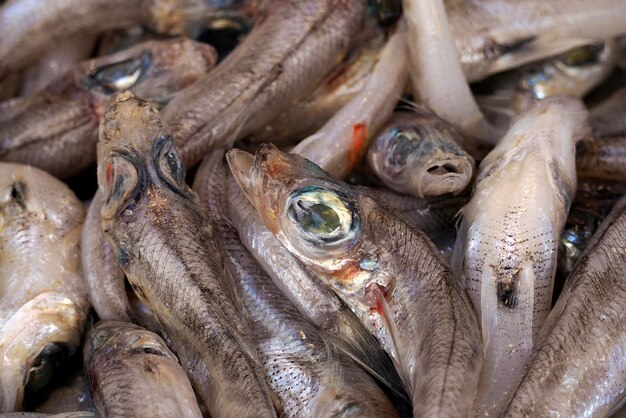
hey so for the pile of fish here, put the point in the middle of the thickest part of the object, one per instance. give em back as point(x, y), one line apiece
point(288, 208)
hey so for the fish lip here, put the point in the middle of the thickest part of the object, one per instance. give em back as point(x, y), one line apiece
point(455, 180)
point(242, 164)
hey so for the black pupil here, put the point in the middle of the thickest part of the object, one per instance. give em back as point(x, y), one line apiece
point(173, 163)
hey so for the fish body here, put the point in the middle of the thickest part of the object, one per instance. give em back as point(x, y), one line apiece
point(43, 301)
point(132, 373)
point(388, 272)
point(164, 243)
point(506, 249)
point(57, 128)
point(577, 366)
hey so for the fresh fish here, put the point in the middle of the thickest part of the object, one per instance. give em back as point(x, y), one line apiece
point(506, 248)
point(386, 270)
point(315, 301)
point(497, 35)
point(577, 366)
point(56, 129)
point(56, 62)
point(309, 114)
point(43, 302)
point(104, 277)
point(286, 57)
point(436, 74)
point(132, 373)
point(164, 244)
point(343, 141)
point(305, 374)
point(417, 153)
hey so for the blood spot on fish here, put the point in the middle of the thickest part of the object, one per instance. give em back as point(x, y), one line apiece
point(109, 172)
point(359, 135)
point(507, 294)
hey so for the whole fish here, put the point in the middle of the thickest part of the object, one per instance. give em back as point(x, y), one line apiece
point(307, 377)
point(43, 302)
point(56, 129)
point(387, 271)
point(132, 373)
point(497, 35)
point(506, 249)
point(577, 367)
point(417, 153)
point(288, 54)
point(164, 244)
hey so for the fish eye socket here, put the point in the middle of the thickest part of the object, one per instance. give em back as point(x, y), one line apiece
point(44, 365)
point(583, 55)
point(325, 217)
point(122, 75)
point(401, 145)
point(169, 163)
point(118, 178)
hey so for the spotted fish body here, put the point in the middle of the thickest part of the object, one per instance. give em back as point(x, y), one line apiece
point(506, 249)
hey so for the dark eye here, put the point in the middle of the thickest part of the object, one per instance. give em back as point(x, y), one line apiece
point(122, 75)
point(583, 55)
point(44, 365)
point(322, 215)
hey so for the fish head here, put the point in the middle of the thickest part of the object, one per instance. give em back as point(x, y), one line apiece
point(153, 70)
point(420, 154)
point(320, 220)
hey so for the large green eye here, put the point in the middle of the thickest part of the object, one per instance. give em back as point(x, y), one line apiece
point(324, 216)
point(583, 55)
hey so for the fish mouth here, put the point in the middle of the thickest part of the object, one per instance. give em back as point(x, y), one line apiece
point(443, 176)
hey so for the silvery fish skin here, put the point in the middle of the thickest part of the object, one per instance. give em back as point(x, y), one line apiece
point(506, 248)
point(387, 271)
point(56, 129)
point(577, 366)
point(104, 277)
point(309, 114)
point(286, 56)
point(497, 35)
point(417, 153)
point(164, 244)
point(315, 301)
point(307, 377)
point(132, 373)
point(43, 302)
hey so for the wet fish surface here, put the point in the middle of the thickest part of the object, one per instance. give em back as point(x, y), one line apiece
point(381, 266)
point(56, 129)
point(43, 301)
point(132, 373)
point(164, 243)
point(506, 249)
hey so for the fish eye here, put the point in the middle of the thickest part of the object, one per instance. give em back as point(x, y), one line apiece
point(122, 75)
point(169, 163)
point(44, 365)
point(325, 217)
point(583, 55)
point(401, 145)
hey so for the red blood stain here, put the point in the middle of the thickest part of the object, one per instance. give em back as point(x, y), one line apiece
point(109, 172)
point(359, 136)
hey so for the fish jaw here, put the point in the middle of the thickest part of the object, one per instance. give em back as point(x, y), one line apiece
point(50, 318)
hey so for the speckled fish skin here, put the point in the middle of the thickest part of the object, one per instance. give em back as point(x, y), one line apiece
point(288, 54)
point(417, 153)
point(132, 373)
point(164, 244)
point(496, 35)
point(506, 249)
point(578, 367)
point(57, 128)
point(304, 373)
point(388, 272)
point(43, 302)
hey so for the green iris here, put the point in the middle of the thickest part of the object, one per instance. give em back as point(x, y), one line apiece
point(320, 219)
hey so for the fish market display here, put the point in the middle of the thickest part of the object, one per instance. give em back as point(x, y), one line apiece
point(507, 245)
point(164, 243)
point(416, 308)
point(399, 208)
point(57, 128)
point(43, 301)
point(417, 153)
point(132, 373)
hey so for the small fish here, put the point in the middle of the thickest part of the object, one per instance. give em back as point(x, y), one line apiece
point(43, 301)
point(307, 377)
point(132, 373)
point(506, 249)
point(57, 128)
point(286, 56)
point(387, 271)
point(164, 243)
point(417, 153)
point(577, 366)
